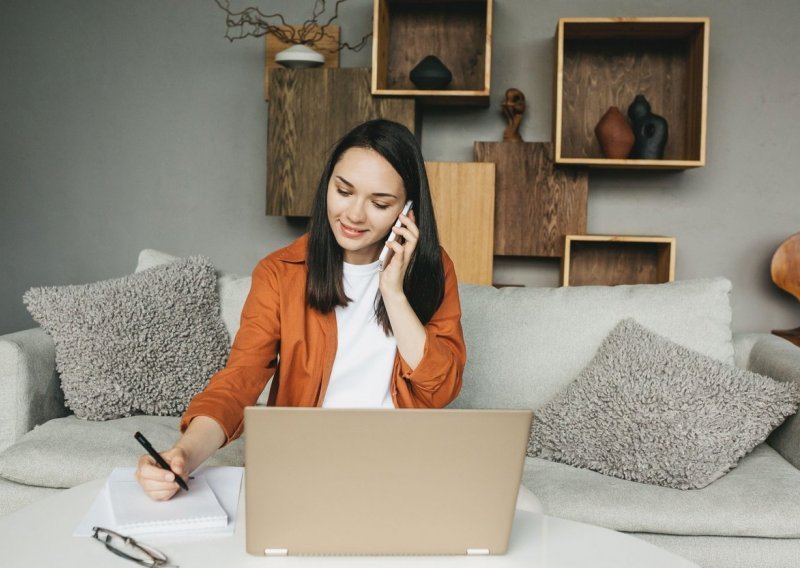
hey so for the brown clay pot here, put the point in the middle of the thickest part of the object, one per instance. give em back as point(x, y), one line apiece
point(615, 134)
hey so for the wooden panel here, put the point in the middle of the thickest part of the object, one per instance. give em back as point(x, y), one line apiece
point(536, 204)
point(309, 111)
point(457, 31)
point(603, 260)
point(328, 46)
point(604, 62)
point(463, 199)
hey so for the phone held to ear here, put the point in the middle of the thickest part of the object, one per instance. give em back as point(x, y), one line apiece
point(386, 253)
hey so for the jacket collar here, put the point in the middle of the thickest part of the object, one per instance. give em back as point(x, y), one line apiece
point(297, 252)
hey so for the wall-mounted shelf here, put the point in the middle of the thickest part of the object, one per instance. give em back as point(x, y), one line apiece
point(463, 199)
point(610, 260)
point(604, 62)
point(458, 32)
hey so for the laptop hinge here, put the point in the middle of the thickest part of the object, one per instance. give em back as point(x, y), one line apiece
point(477, 551)
point(276, 551)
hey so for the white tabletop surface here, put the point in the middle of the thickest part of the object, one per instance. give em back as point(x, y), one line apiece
point(40, 535)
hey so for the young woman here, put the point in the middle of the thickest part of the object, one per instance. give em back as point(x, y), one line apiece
point(324, 322)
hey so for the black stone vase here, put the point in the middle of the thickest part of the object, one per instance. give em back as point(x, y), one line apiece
point(649, 130)
point(430, 74)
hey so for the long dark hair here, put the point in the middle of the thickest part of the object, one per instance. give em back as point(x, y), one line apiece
point(424, 280)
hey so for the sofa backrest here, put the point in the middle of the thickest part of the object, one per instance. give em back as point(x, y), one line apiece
point(524, 345)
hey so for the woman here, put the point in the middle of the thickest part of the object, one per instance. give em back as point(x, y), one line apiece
point(324, 322)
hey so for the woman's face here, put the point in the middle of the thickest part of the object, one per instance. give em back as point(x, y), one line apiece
point(365, 196)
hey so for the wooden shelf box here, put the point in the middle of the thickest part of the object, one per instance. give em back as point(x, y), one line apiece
point(605, 62)
point(458, 32)
point(610, 260)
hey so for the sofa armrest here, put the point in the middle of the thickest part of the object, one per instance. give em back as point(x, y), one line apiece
point(777, 358)
point(30, 389)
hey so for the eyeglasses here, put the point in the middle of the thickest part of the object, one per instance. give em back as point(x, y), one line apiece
point(129, 549)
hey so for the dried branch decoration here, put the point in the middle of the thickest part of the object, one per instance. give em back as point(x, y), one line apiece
point(252, 22)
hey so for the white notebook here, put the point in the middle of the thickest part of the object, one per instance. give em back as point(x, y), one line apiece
point(135, 513)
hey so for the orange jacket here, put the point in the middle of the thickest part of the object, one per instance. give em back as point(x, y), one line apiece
point(276, 321)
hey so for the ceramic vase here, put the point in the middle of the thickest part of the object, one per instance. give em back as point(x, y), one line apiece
point(431, 73)
point(299, 57)
point(615, 134)
point(650, 130)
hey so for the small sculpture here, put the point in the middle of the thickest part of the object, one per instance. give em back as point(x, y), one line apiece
point(513, 108)
point(650, 130)
point(431, 74)
point(615, 134)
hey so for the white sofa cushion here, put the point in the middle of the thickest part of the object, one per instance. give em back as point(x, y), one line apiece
point(65, 452)
point(524, 345)
point(759, 498)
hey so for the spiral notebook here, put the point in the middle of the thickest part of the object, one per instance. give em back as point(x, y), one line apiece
point(135, 513)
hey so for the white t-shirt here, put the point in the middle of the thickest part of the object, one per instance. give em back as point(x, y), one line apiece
point(362, 370)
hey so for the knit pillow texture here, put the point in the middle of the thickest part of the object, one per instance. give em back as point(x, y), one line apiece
point(141, 344)
point(649, 410)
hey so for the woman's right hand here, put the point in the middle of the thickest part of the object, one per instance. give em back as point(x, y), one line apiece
point(159, 484)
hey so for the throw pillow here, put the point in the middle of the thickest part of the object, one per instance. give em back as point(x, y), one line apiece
point(65, 452)
point(647, 409)
point(144, 343)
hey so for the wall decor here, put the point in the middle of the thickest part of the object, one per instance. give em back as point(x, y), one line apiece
point(536, 204)
point(459, 32)
point(327, 46)
point(513, 109)
point(302, 129)
point(650, 130)
point(611, 260)
point(615, 134)
point(785, 272)
point(430, 74)
point(604, 62)
point(463, 199)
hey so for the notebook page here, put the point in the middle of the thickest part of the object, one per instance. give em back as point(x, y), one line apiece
point(135, 513)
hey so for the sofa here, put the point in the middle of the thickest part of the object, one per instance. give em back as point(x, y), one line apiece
point(525, 345)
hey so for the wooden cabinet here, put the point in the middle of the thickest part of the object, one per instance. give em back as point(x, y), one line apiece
point(463, 200)
point(536, 204)
point(309, 111)
point(458, 32)
point(609, 260)
point(605, 62)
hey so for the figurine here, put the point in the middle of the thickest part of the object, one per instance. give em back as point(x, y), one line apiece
point(513, 109)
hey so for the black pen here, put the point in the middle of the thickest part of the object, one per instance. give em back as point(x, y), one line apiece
point(159, 460)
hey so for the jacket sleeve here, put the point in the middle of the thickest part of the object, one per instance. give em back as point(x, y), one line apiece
point(252, 360)
point(436, 381)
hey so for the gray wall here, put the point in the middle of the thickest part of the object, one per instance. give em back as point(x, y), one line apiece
point(134, 124)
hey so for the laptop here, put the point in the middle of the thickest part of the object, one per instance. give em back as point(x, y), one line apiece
point(382, 482)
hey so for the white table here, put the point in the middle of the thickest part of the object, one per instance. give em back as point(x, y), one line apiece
point(40, 535)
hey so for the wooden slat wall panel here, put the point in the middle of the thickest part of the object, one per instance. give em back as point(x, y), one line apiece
point(309, 111)
point(463, 200)
point(536, 205)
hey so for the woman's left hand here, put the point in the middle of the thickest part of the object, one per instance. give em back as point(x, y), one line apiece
point(391, 279)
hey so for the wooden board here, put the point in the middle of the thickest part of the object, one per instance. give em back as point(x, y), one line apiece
point(463, 200)
point(328, 46)
point(536, 205)
point(309, 111)
point(611, 260)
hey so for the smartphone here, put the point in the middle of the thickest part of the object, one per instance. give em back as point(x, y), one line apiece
point(386, 253)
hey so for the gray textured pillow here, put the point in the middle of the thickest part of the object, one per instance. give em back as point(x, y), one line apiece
point(144, 343)
point(649, 410)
